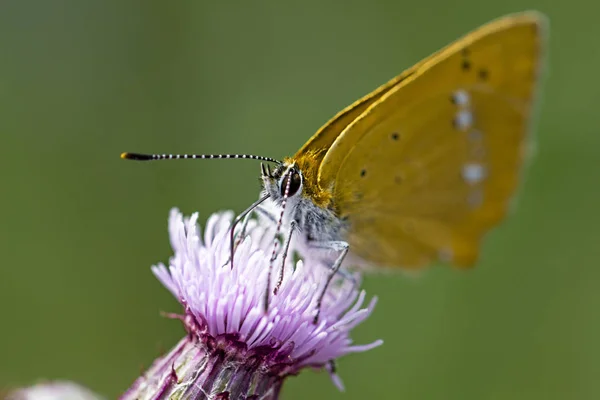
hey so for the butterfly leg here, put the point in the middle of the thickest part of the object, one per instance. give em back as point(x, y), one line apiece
point(340, 246)
point(235, 242)
point(246, 220)
point(286, 248)
point(243, 228)
point(238, 219)
point(345, 274)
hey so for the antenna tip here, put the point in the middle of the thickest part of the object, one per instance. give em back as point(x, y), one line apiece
point(136, 156)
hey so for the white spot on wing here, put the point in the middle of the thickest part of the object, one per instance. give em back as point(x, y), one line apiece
point(473, 173)
point(463, 119)
point(461, 98)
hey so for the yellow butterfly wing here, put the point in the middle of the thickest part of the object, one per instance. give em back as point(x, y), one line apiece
point(432, 162)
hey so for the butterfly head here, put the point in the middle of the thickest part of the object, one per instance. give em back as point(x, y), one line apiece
point(285, 176)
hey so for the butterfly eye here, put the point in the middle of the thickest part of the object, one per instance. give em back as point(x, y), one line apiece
point(294, 184)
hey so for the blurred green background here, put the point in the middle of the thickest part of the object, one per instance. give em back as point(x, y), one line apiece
point(81, 81)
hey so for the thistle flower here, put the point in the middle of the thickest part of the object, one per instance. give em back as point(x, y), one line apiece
point(237, 347)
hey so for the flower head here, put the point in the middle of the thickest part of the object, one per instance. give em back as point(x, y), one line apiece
point(227, 306)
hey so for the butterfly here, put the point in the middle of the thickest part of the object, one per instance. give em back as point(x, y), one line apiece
point(419, 170)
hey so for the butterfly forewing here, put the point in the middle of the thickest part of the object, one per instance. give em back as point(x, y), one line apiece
point(431, 165)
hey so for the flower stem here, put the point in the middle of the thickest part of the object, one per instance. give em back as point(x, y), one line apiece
point(195, 370)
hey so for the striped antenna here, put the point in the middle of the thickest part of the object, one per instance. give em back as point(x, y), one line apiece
point(155, 157)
